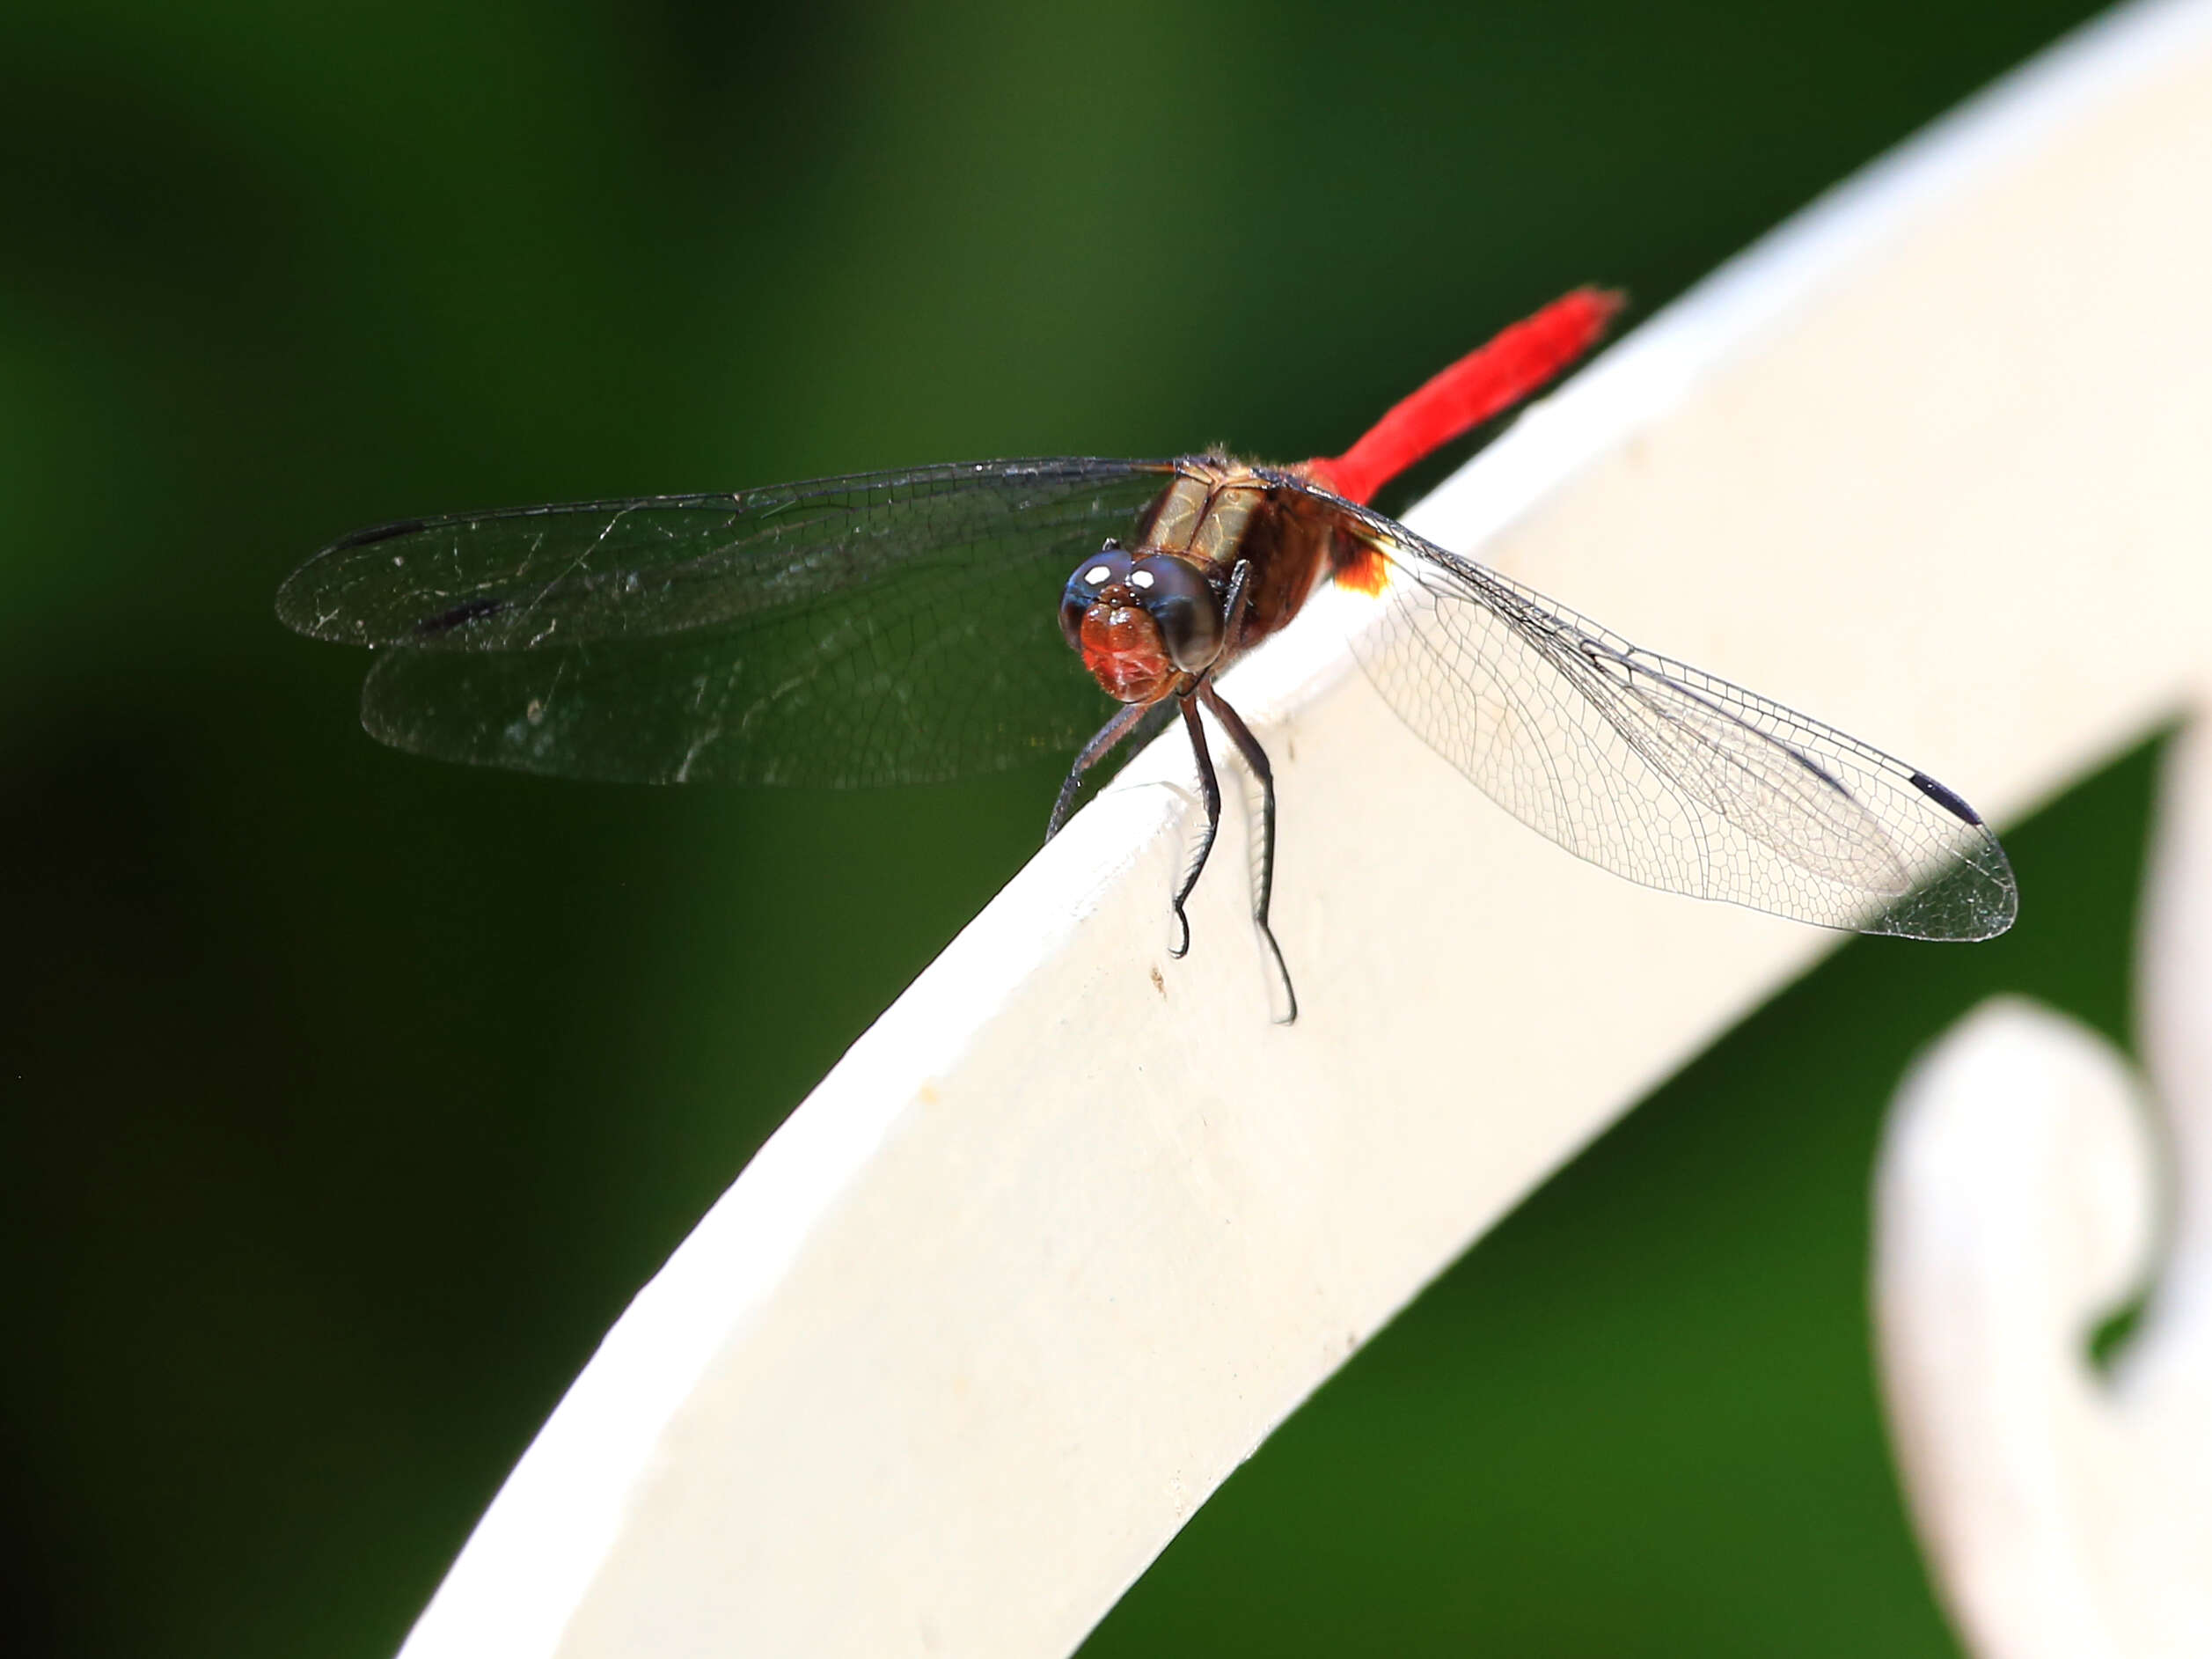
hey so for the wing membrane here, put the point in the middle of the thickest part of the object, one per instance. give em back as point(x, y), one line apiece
point(1664, 774)
point(894, 628)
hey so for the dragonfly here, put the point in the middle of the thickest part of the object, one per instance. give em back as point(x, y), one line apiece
point(900, 627)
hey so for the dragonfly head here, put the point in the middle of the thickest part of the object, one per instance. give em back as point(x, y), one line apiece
point(1141, 621)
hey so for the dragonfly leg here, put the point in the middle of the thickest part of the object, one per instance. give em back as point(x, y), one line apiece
point(1233, 610)
point(1110, 734)
point(1263, 870)
point(1210, 788)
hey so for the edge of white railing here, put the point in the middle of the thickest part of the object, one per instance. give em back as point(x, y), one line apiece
point(2030, 1180)
point(1073, 1227)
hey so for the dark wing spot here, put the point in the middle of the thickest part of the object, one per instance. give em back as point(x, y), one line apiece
point(1945, 799)
point(460, 616)
point(378, 533)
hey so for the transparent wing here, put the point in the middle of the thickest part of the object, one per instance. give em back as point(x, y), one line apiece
point(1664, 774)
point(889, 627)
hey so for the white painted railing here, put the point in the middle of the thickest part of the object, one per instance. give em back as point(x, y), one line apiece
point(2029, 1183)
point(1073, 1226)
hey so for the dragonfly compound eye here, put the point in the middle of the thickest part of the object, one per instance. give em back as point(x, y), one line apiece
point(1109, 567)
point(1107, 614)
point(1184, 606)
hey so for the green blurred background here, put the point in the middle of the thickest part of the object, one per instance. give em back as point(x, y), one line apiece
point(349, 1097)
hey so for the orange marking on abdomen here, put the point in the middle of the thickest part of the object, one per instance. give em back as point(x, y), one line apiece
point(1364, 570)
